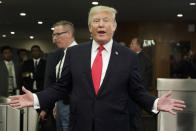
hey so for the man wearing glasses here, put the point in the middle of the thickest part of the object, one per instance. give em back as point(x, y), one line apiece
point(63, 37)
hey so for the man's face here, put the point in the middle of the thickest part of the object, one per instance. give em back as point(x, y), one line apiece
point(102, 27)
point(133, 46)
point(36, 53)
point(61, 36)
point(7, 55)
point(22, 54)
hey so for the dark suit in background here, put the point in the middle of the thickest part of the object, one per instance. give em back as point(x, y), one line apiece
point(146, 70)
point(52, 60)
point(108, 110)
point(50, 78)
point(38, 75)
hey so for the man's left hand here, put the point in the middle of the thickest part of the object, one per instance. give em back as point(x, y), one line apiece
point(170, 105)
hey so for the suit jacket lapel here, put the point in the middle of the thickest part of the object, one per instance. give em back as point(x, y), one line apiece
point(32, 65)
point(87, 62)
point(111, 66)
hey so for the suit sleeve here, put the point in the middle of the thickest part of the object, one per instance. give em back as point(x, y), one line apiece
point(137, 90)
point(58, 90)
point(50, 76)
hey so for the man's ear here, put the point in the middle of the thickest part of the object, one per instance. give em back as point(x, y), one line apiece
point(114, 27)
point(90, 28)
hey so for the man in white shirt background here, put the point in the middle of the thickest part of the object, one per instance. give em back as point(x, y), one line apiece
point(10, 73)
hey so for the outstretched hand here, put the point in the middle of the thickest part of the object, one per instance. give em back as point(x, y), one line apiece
point(20, 101)
point(170, 105)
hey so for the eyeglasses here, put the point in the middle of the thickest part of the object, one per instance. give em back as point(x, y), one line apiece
point(58, 34)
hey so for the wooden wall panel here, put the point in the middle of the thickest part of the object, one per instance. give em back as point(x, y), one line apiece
point(162, 33)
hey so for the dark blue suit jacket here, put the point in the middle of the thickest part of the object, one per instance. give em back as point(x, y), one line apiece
point(108, 110)
point(52, 60)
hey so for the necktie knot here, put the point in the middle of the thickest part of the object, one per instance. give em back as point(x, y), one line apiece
point(35, 63)
point(100, 48)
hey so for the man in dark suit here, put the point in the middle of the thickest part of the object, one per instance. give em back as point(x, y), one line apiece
point(33, 71)
point(63, 37)
point(10, 73)
point(145, 66)
point(46, 115)
point(102, 84)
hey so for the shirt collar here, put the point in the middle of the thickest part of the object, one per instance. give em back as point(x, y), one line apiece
point(107, 46)
point(72, 44)
point(8, 61)
point(36, 60)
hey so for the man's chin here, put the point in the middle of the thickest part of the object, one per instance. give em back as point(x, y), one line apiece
point(102, 42)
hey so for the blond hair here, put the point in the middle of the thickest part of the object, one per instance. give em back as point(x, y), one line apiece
point(100, 8)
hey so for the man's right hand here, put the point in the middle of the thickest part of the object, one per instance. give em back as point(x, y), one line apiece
point(42, 115)
point(20, 101)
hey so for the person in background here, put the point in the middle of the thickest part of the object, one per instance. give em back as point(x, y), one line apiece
point(100, 77)
point(63, 37)
point(145, 66)
point(22, 55)
point(33, 71)
point(10, 73)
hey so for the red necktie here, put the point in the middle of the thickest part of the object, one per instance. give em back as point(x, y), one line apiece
point(97, 69)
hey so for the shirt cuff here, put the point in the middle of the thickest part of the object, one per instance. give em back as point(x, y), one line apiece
point(154, 108)
point(36, 102)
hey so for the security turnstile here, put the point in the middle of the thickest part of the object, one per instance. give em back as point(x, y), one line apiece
point(183, 89)
point(12, 119)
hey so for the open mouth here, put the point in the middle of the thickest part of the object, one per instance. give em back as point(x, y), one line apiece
point(101, 32)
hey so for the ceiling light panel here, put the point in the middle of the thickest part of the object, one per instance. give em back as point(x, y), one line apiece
point(23, 14)
point(12, 32)
point(192, 4)
point(179, 15)
point(95, 3)
point(40, 22)
point(31, 37)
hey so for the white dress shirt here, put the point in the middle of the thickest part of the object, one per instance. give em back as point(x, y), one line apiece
point(60, 63)
point(106, 53)
point(13, 71)
point(34, 60)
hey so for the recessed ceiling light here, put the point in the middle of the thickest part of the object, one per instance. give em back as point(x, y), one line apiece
point(23, 14)
point(52, 28)
point(0, 2)
point(12, 32)
point(192, 3)
point(40, 22)
point(4, 35)
point(179, 15)
point(95, 3)
point(31, 37)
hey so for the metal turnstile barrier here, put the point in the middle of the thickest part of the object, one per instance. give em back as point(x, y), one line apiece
point(183, 89)
point(12, 119)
